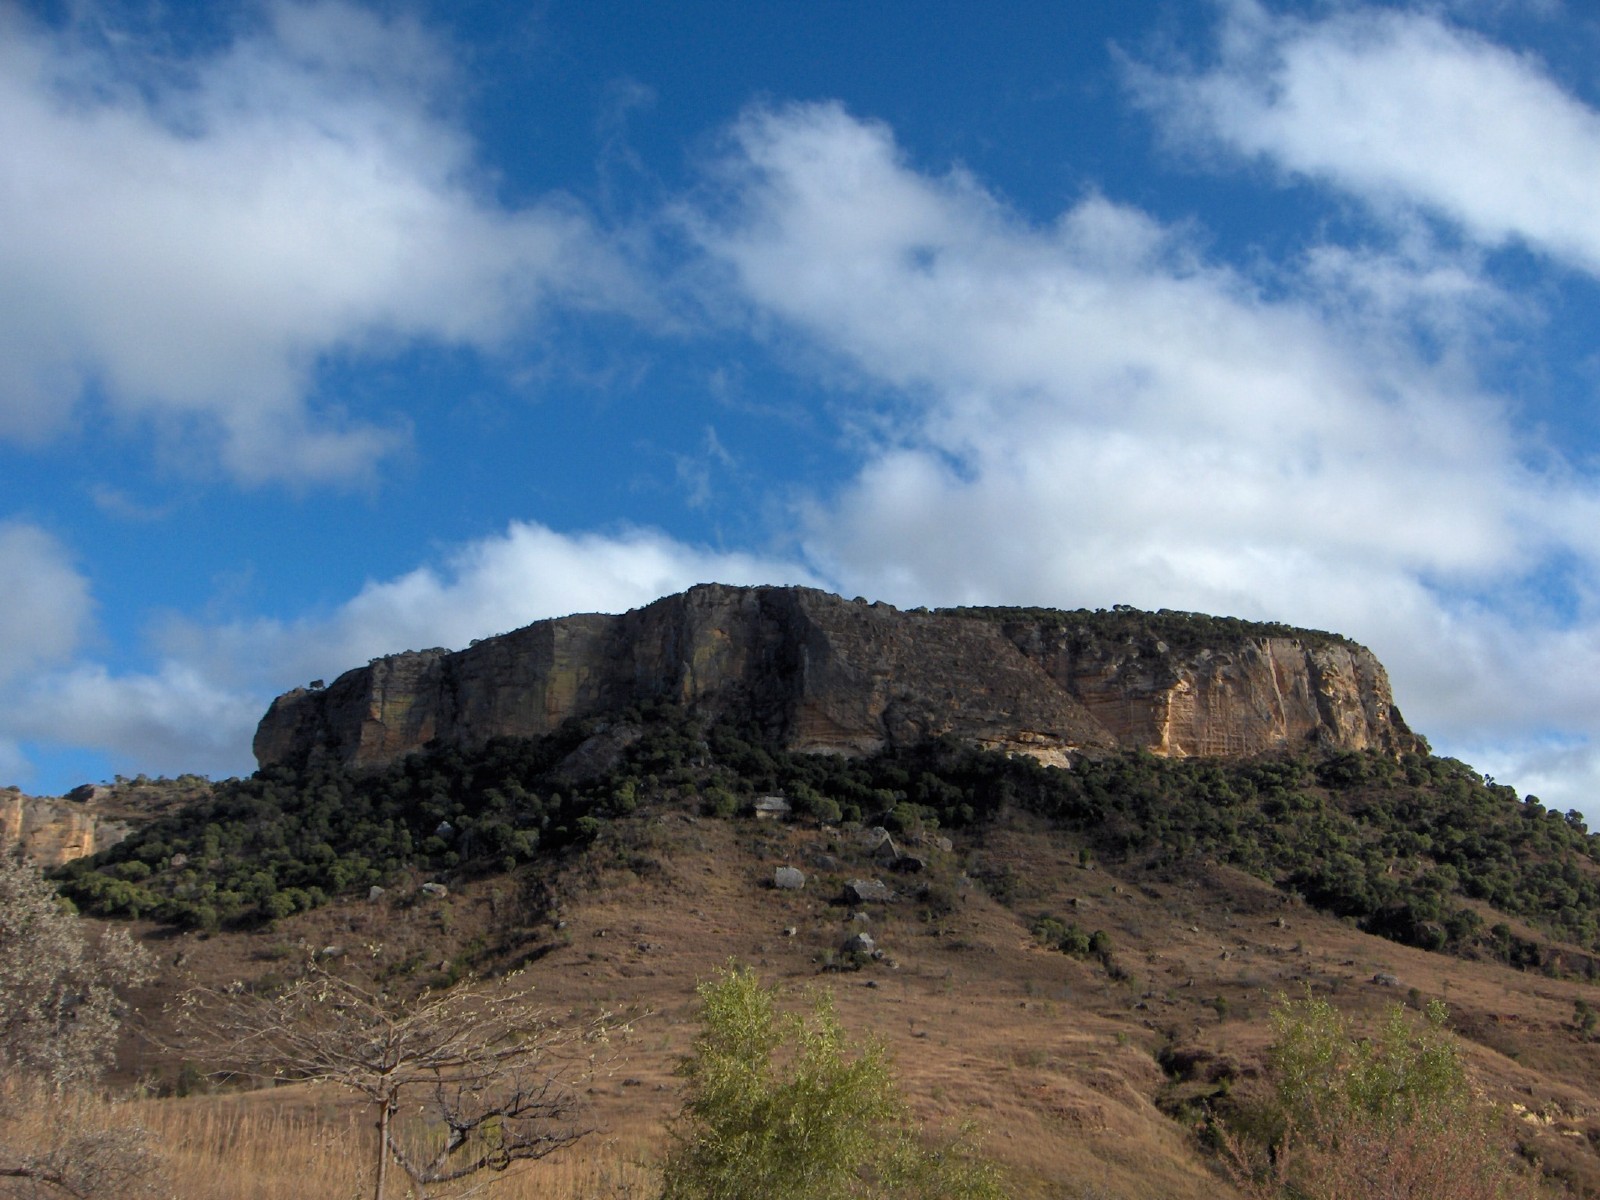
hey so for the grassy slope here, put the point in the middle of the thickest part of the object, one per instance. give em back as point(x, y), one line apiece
point(1055, 1059)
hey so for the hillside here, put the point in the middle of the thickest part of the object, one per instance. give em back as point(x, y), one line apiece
point(1089, 1072)
point(1079, 934)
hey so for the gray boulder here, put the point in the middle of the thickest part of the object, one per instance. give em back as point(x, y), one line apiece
point(771, 808)
point(866, 891)
point(788, 879)
point(859, 943)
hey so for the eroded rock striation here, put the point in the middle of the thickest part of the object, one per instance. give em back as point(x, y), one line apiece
point(816, 672)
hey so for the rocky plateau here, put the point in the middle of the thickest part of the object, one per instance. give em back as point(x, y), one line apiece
point(811, 671)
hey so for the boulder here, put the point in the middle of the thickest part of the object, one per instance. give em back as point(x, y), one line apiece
point(771, 808)
point(859, 943)
point(788, 879)
point(866, 891)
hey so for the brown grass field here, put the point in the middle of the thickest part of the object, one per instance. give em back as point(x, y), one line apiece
point(1051, 1060)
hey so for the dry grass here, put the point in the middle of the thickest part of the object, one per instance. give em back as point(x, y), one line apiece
point(303, 1145)
point(1053, 1061)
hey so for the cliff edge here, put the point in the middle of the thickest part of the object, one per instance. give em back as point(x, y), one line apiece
point(815, 672)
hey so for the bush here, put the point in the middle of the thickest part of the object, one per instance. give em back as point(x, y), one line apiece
point(826, 1125)
point(1392, 1114)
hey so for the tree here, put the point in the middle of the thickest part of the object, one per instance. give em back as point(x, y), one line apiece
point(489, 1070)
point(826, 1125)
point(59, 1010)
point(1351, 1116)
point(59, 1020)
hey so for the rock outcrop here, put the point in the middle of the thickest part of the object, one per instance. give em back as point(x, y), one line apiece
point(53, 830)
point(816, 672)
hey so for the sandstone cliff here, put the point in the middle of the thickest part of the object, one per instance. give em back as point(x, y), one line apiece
point(815, 672)
point(52, 830)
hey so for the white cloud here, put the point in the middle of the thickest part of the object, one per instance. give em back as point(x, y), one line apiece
point(168, 722)
point(1402, 109)
point(44, 602)
point(186, 242)
point(197, 710)
point(1089, 413)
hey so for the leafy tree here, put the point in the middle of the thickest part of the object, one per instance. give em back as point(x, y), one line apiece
point(488, 1071)
point(59, 1011)
point(59, 1019)
point(826, 1124)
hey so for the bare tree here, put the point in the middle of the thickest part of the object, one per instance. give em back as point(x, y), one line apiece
point(491, 1071)
point(72, 1143)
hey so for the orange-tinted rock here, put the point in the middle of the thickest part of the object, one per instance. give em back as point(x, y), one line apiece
point(812, 671)
point(52, 831)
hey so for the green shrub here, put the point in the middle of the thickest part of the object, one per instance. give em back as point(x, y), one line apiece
point(1390, 1114)
point(828, 1124)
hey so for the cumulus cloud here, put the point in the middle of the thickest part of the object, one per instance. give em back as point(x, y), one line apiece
point(169, 721)
point(478, 590)
point(1404, 110)
point(186, 241)
point(198, 708)
point(1088, 412)
point(46, 605)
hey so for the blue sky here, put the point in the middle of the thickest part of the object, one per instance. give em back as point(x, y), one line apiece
point(331, 330)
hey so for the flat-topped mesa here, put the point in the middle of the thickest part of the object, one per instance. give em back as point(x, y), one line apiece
point(815, 672)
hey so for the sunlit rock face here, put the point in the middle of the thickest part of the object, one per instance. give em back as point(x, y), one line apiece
point(53, 830)
point(812, 671)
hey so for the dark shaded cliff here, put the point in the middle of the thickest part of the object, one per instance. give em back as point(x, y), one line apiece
point(813, 671)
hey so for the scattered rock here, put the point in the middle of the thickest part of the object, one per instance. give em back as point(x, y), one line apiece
point(435, 889)
point(1384, 979)
point(944, 844)
point(866, 891)
point(909, 864)
point(771, 808)
point(375, 893)
point(789, 879)
point(859, 943)
point(444, 830)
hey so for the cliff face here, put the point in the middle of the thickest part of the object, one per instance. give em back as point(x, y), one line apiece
point(816, 672)
point(52, 830)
